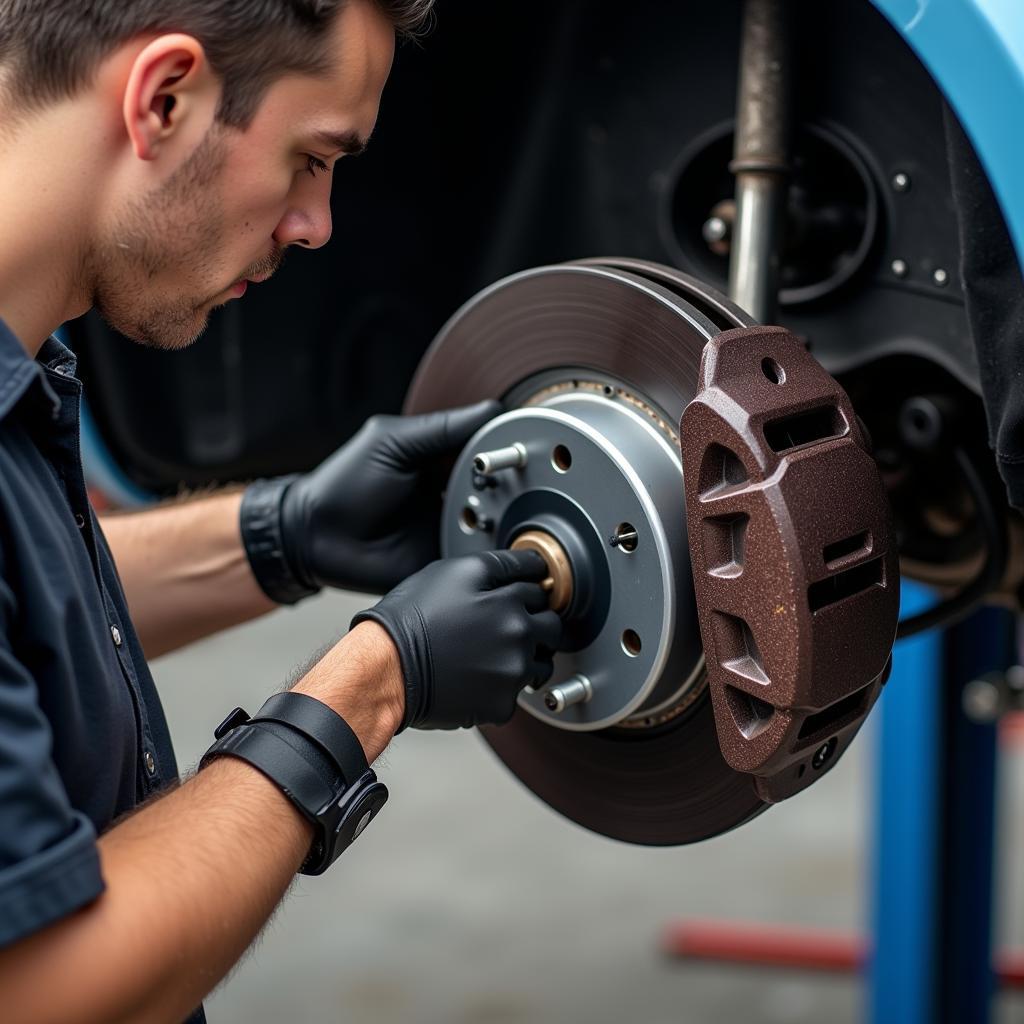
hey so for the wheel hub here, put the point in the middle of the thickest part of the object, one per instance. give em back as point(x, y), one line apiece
point(595, 478)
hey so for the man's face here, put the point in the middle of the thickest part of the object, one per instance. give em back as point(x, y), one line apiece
point(223, 219)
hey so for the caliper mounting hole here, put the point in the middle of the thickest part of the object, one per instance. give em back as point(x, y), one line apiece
point(771, 369)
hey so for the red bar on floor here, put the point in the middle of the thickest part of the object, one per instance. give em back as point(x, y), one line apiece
point(812, 949)
point(1010, 968)
point(1011, 729)
point(768, 945)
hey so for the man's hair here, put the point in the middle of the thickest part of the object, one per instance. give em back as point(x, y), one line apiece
point(49, 49)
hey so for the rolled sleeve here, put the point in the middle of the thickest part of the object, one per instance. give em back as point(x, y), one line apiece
point(49, 863)
point(50, 884)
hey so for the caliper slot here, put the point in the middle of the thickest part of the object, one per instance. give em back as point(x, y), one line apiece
point(840, 550)
point(725, 541)
point(827, 718)
point(752, 715)
point(738, 650)
point(721, 473)
point(789, 432)
point(842, 585)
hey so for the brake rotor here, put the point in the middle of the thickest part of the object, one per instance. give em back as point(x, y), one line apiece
point(596, 362)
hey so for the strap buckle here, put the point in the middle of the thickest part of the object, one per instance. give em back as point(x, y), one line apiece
point(236, 718)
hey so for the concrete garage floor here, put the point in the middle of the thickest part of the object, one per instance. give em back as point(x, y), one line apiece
point(470, 902)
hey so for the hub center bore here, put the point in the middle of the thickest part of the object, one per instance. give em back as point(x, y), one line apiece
point(559, 580)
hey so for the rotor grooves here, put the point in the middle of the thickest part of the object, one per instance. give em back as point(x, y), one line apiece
point(666, 785)
point(587, 317)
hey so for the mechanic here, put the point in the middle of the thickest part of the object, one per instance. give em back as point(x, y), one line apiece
point(158, 157)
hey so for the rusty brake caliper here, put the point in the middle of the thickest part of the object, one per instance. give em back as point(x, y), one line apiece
point(794, 561)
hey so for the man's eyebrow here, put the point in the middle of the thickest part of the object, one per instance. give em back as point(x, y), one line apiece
point(349, 143)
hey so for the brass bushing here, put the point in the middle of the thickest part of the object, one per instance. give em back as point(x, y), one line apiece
point(559, 582)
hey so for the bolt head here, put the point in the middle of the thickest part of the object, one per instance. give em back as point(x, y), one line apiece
point(899, 267)
point(940, 277)
point(715, 229)
point(982, 701)
point(824, 753)
point(901, 182)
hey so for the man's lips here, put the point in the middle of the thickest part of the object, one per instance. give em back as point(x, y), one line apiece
point(238, 289)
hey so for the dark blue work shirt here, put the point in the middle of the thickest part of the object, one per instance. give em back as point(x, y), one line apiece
point(82, 734)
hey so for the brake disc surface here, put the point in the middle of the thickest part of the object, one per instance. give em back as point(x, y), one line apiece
point(596, 362)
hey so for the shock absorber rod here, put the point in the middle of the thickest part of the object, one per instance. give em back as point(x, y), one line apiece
point(761, 155)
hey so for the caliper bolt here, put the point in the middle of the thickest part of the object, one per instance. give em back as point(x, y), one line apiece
point(824, 753)
point(574, 690)
point(512, 457)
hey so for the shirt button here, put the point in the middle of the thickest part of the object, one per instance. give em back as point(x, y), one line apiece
point(150, 762)
point(115, 635)
point(79, 520)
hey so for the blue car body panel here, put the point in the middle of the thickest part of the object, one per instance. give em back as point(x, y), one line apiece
point(974, 49)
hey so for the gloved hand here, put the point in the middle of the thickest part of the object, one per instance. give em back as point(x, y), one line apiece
point(365, 518)
point(471, 632)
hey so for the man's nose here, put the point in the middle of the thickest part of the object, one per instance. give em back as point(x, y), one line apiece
point(307, 222)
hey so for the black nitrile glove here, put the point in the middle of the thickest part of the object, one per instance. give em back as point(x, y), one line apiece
point(365, 518)
point(471, 632)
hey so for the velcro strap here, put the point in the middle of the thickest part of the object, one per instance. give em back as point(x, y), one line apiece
point(282, 762)
point(326, 728)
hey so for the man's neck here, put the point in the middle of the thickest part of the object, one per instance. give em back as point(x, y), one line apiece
point(47, 197)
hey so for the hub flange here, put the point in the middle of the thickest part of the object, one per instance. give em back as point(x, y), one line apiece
point(598, 476)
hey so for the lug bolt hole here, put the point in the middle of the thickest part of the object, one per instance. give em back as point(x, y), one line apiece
point(468, 519)
point(631, 642)
point(771, 369)
point(561, 458)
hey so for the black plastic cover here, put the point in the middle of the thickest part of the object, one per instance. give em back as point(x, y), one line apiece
point(994, 294)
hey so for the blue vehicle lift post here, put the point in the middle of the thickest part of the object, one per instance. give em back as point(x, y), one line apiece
point(934, 850)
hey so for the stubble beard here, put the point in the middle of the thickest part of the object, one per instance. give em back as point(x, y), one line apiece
point(176, 230)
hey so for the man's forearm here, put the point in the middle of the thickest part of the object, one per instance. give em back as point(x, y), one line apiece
point(192, 877)
point(184, 570)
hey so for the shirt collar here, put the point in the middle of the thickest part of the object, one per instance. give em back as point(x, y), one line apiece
point(55, 355)
point(19, 373)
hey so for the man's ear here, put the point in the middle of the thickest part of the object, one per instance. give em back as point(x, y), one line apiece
point(171, 94)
